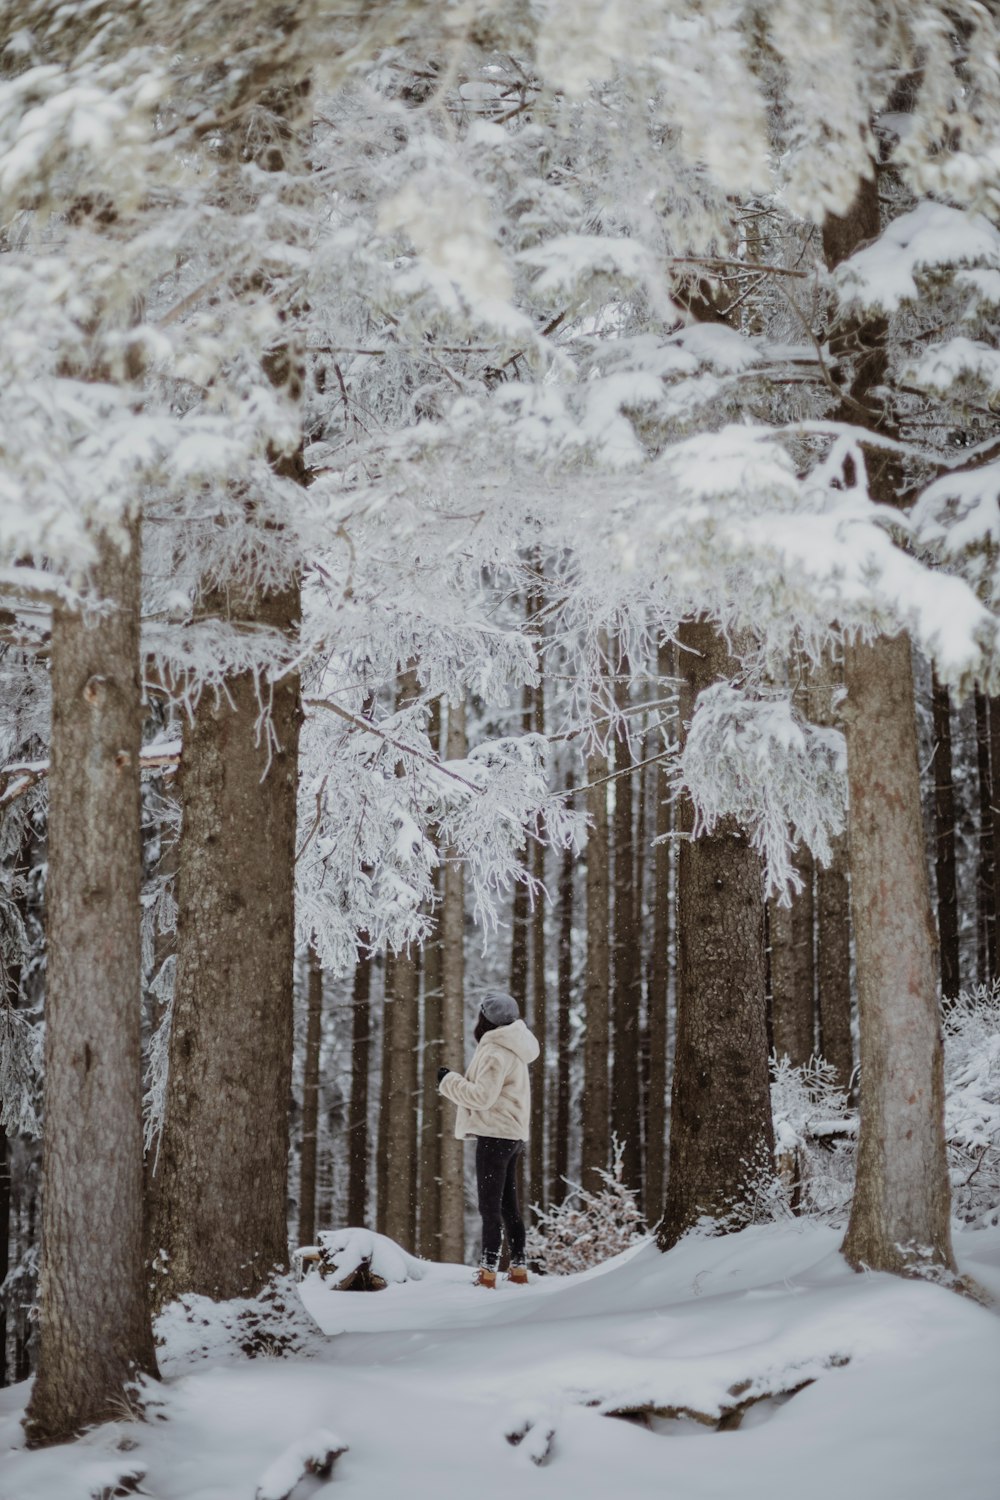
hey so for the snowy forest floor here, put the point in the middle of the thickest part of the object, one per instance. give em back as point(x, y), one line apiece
point(424, 1381)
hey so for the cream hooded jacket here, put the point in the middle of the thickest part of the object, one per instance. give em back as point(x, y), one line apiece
point(494, 1097)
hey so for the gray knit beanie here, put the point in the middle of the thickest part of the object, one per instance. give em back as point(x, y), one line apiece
point(499, 1007)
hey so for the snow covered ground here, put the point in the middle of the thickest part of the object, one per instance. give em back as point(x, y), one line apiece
point(424, 1381)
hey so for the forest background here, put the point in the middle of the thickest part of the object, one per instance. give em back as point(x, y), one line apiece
point(483, 491)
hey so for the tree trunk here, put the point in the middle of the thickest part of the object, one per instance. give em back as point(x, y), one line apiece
point(357, 1136)
point(659, 977)
point(453, 1019)
point(310, 1102)
point(900, 1211)
point(219, 1219)
point(539, 1000)
point(5, 1238)
point(985, 871)
point(833, 909)
point(95, 1332)
point(793, 969)
point(944, 842)
point(560, 1168)
point(596, 1097)
point(721, 1133)
point(431, 1057)
point(994, 718)
point(625, 1099)
point(398, 1137)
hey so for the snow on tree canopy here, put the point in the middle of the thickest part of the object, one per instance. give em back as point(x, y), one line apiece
point(929, 238)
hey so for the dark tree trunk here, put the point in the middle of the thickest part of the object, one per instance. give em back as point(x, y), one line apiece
point(659, 977)
point(793, 970)
point(398, 1137)
point(431, 1058)
point(900, 1211)
point(596, 1094)
point(357, 1134)
point(985, 872)
point(720, 1125)
point(625, 1097)
point(944, 841)
point(5, 1237)
point(220, 1191)
point(560, 1169)
point(95, 1333)
point(453, 1019)
point(310, 1102)
point(833, 909)
point(539, 1000)
point(994, 718)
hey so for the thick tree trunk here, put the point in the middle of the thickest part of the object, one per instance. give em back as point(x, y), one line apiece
point(219, 1221)
point(944, 841)
point(453, 1019)
point(597, 997)
point(720, 1125)
point(310, 1102)
point(357, 1134)
point(659, 976)
point(625, 1097)
point(985, 870)
point(900, 1213)
point(564, 996)
point(95, 1332)
point(793, 969)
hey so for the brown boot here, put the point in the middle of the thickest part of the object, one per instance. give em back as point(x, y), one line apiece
point(485, 1278)
point(518, 1276)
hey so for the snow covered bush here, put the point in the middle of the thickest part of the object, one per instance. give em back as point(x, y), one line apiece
point(972, 1104)
point(588, 1227)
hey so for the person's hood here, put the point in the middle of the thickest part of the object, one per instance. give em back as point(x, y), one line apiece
point(517, 1039)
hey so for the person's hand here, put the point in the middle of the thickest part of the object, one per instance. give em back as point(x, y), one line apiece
point(442, 1072)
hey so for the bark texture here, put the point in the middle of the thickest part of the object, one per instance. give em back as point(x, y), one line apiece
point(95, 1332)
point(398, 1135)
point(793, 969)
point(431, 1058)
point(453, 1018)
point(944, 841)
point(900, 1214)
point(720, 1124)
point(538, 1143)
point(310, 1102)
point(900, 1210)
point(596, 1093)
point(357, 1143)
point(986, 947)
point(219, 1221)
point(659, 978)
point(833, 909)
point(564, 996)
point(625, 1095)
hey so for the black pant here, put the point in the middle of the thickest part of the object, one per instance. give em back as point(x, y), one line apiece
point(496, 1176)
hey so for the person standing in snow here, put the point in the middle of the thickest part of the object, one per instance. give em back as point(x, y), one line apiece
point(494, 1106)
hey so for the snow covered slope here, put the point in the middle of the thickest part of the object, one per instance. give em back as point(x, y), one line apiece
point(427, 1380)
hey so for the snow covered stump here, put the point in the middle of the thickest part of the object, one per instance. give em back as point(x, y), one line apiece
point(359, 1260)
point(312, 1456)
